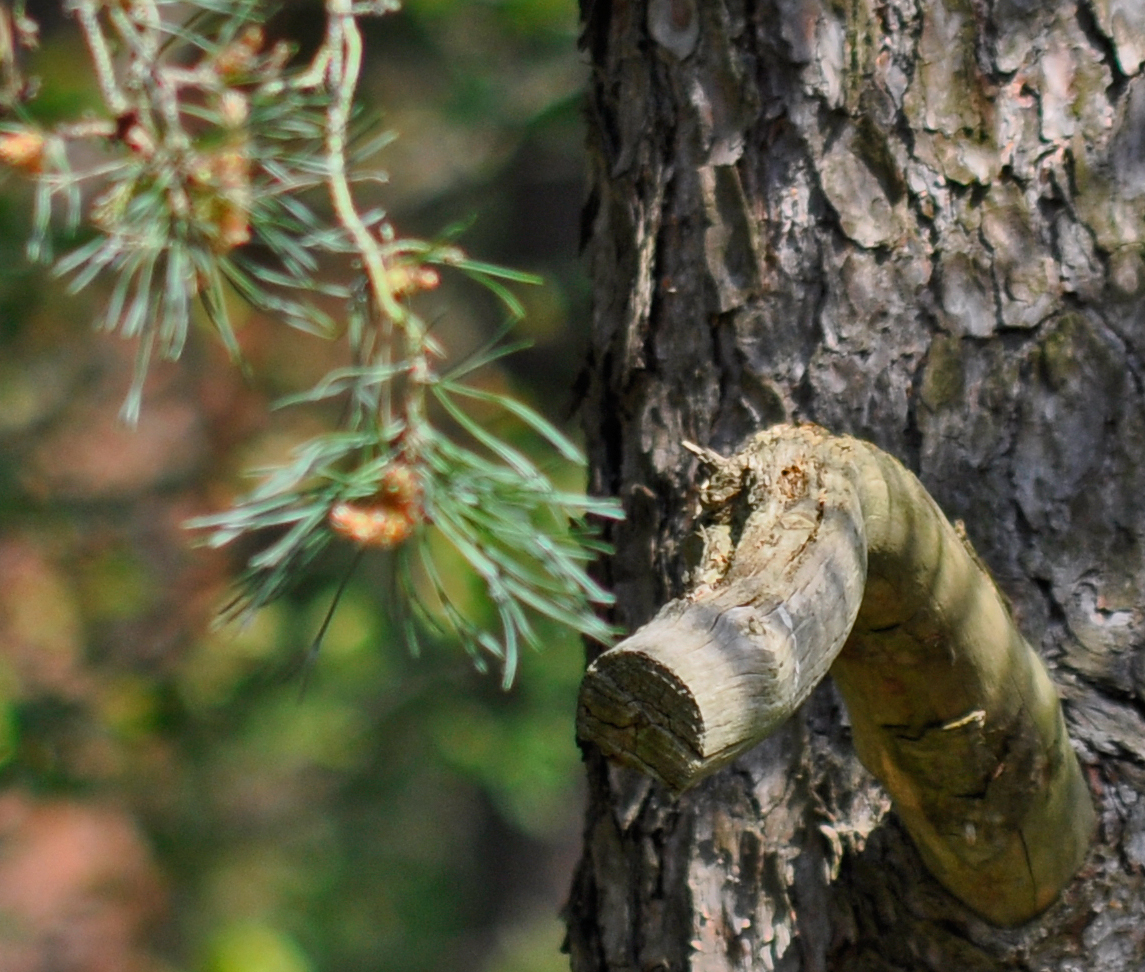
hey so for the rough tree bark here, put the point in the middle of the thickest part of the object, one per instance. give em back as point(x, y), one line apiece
point(923, 224)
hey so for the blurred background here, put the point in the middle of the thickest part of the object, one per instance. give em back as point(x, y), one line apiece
point(171, 800)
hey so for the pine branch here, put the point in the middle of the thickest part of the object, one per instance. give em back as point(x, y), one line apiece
point(217, 143)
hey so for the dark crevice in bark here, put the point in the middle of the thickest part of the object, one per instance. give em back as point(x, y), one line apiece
point(804, 397)
point(1104, 45)
point(610, 428)
point(588, 214)
point(1050, 210)
point(603, 123)
point(913, 437)
point(594, 17)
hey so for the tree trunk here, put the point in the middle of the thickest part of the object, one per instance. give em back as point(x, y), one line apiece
point(921, 224)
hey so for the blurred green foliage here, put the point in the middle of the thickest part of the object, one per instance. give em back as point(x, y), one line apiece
point(384, 812)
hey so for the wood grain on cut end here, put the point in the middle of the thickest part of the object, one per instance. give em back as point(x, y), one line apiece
point(639, 713)
point(690, 690)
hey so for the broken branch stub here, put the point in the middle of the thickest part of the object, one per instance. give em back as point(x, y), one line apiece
point(823, 553)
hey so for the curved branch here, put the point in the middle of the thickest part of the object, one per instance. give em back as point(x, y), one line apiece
point(825, 553)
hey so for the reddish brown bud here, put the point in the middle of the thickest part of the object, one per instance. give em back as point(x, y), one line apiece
point(389, 518)
point(23, 150)
point(405, 279)
point(371, 526)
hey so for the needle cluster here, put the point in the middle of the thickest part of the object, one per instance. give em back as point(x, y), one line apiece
point(223, 168)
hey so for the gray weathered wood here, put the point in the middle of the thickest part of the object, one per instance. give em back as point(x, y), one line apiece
point(716, 671)
point(844, 559)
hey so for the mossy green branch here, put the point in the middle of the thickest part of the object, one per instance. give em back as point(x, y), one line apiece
point(824, 553)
